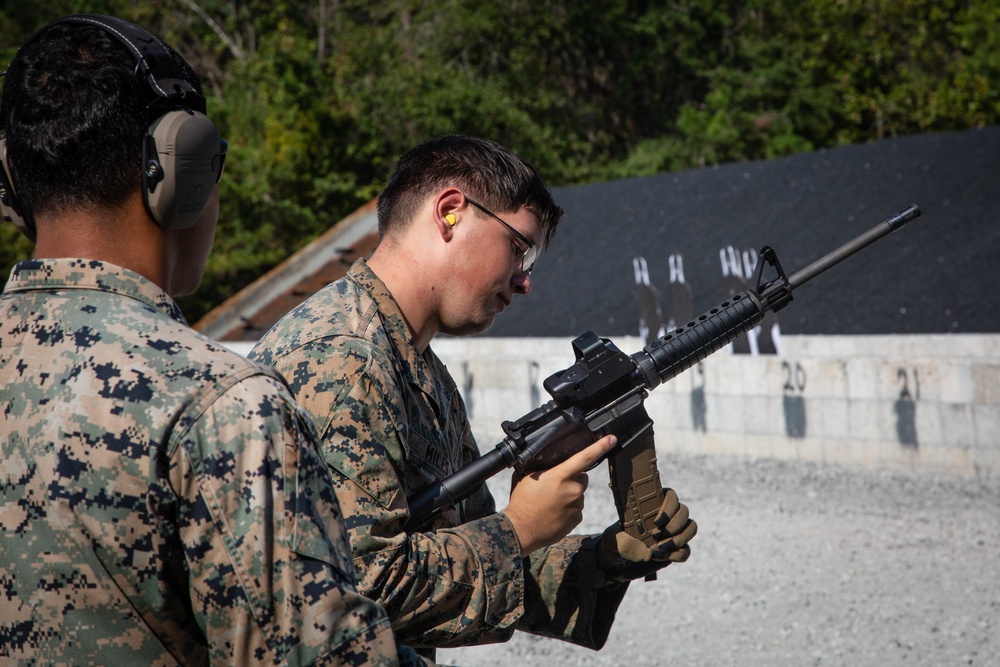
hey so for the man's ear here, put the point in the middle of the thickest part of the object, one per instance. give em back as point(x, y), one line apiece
point(449, 205)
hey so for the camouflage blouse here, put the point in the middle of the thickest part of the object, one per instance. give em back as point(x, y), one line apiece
point(162, 500)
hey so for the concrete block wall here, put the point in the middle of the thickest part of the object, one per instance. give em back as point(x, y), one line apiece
point(928, 403)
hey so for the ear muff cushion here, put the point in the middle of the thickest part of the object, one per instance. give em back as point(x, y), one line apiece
point(180, 167)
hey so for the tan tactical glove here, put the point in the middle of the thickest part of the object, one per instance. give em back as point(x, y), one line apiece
point(624, 558)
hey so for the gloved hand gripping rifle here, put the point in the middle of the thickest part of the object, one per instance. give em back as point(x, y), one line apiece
point(603, 392)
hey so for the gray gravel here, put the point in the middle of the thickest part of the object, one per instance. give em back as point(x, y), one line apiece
point(801, 564)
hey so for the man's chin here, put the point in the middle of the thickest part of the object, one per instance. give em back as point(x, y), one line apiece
point(470, 328)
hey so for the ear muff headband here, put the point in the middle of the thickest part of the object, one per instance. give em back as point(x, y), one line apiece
point(182, 152)
point(154, 60)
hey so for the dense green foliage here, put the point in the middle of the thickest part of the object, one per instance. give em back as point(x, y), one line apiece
point(318, 98)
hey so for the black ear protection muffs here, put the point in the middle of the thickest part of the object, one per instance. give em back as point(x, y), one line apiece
point(182, 153)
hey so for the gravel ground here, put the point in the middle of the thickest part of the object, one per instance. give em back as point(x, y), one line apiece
point(801, 564)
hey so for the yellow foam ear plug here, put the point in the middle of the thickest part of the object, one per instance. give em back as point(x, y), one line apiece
point(451, 219)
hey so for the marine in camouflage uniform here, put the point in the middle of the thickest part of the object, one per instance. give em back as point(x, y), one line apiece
point(392, 422)
point(162, 499)
point(140, 466)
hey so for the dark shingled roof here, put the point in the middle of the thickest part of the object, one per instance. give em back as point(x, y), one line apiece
point(933, 276)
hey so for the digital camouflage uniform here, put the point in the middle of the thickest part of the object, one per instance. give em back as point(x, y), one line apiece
point(136, 455)
point(391, 422)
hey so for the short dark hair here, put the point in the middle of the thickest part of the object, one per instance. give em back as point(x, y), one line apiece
point(486, 171)
point(75, 111)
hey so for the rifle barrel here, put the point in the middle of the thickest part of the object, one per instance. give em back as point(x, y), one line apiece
point(887, 226)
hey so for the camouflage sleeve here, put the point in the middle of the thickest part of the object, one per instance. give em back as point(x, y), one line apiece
point(450, 587)
point(560, 597)
point(263, 537)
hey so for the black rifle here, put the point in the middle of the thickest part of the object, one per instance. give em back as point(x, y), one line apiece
point(603, 392)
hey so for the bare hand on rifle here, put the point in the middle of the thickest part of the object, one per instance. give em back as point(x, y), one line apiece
point(546, 505)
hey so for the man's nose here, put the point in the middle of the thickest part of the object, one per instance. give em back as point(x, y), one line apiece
point(521, 282)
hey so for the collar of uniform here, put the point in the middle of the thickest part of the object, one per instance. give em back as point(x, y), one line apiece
point(90, 274)
point(395, 325)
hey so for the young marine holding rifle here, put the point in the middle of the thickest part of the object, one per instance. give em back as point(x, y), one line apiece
point(462, 221)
